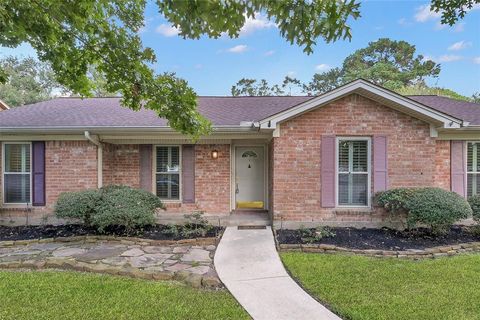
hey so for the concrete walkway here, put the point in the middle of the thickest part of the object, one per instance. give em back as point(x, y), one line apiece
point(248, 264)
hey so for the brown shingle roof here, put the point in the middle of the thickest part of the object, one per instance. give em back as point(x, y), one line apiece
point(222, 111)
point(467, 111)
point(107, 112)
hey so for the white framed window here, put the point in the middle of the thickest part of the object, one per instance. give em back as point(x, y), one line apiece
point(168, 172)
point(353, 171)
point(17, 177)
point(473, 168)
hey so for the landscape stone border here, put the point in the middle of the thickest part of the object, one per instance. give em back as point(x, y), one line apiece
point(208, 280)
point(433, 252)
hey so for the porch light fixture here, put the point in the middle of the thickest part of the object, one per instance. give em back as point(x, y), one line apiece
point(214, 154)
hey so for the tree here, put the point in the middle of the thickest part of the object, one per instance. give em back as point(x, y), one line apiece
point(325, 81)
point(452, 11)
point(391, 64)
point(476, 97)
point(423, 89)
point(252, 87)
point(29, 81)
point(104, 33)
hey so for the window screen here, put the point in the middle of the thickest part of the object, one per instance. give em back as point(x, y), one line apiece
point(473, 168)
point(168, 172)
point(16, 175)
point(353, 172)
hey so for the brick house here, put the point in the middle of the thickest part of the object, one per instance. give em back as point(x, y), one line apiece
point(301, 159)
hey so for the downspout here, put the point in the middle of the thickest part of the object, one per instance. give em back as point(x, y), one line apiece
point(95, 141)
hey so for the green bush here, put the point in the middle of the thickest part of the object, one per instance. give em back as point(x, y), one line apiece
point(433, 207)
point(196, 225)
point(119, 206)
point(77, 205)
point(312, 235)
point(474, 202)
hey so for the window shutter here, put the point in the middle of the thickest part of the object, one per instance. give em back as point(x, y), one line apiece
point(380, 168)
point(38, 170)
point(458, 162)
point(328, 171)
point(188, 173)
point(146, 167)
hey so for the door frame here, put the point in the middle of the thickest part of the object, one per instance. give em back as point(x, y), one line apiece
point(233, 181)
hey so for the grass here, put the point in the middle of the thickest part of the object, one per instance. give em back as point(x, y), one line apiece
point(358, 287)
point(69, 295)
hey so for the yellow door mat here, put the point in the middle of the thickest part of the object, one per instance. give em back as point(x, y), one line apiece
point(250, 204)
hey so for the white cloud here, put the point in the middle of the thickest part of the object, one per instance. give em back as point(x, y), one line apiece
point(291, 73)
point(440, 26)
point(322, 67)
point(424, 14)
point(476, 60)
point(460, 45)
point(253, 24)
point(448, 58)
point(198, 66)
point(403, 22)
point(238, 49)
point(269, 53)
point(167, 30)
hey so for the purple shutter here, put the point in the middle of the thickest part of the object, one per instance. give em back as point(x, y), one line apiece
point(38, 173)
point(380, 169)
point(146, 167)
point(188, 173)
point(457, 166)
point(328, 171)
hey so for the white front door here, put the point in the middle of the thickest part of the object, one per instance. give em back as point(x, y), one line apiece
point(250, 177)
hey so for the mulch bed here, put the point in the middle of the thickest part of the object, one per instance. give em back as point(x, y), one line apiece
point(157, 232)
point(385, 239)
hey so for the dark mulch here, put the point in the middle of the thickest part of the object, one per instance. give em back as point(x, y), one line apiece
point(157, 232)
point(385, 239)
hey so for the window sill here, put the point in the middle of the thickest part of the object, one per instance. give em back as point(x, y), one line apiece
point(12, 206)
point(353, 210)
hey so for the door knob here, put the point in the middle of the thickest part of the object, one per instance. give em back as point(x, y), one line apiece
point(236, 188)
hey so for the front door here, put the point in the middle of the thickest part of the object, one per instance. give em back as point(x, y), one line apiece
point(250, 177)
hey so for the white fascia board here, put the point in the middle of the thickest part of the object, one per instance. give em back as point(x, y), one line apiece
point(358, 86)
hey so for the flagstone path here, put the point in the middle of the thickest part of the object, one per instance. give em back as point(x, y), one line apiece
point(192, 264)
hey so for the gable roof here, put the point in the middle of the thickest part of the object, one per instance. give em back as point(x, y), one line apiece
point(228, 112)
point(467, 111)
point(107, 112)
point(369, 90)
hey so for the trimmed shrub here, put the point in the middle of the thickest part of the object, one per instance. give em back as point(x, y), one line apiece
point(111, 206)
point(433, 207)
point(394, 200)
point(125, 207)
point(474, 202)
point(77, 205)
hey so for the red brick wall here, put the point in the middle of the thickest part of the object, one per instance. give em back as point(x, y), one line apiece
point(412, 156)
point(121, 165)
point(72, 166)
point(212, 182)
point(442, 164)
point(69, 166)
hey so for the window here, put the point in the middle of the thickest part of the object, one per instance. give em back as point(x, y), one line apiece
point(473, 168)
point(353, 169)
point(16, 173)
point(168, 172)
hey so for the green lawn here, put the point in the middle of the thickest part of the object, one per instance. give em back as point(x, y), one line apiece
point(69, 295)
point(368, 288)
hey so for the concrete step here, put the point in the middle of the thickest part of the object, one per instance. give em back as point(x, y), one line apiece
point(248, 218)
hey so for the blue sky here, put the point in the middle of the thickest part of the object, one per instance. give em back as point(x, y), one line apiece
point(212, 66)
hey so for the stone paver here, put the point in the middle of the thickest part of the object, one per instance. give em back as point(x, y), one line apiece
point(249, 266)
point(182, 262)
